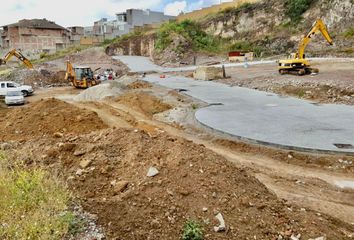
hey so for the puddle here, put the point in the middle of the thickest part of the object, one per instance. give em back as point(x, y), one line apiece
point(345, 184)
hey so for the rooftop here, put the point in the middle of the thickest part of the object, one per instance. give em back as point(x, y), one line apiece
point(36, 23)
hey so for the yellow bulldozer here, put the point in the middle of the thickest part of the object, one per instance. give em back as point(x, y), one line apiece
point(17, 54)
point(297, 64)
point(80, 76)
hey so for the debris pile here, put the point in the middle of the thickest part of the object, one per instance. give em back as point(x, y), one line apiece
point(37, 78)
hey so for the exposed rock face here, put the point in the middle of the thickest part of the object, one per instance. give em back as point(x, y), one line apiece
point(263, 24)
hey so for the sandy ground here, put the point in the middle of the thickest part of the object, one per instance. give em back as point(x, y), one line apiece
point(309, 182)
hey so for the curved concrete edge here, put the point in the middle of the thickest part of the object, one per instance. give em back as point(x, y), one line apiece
point(270, 144)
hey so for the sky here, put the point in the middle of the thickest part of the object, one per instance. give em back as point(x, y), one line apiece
point(84, 12)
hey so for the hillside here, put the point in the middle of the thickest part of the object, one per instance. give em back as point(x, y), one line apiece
point(268, 28)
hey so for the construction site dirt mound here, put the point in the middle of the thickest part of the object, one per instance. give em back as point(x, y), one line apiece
point(99, 92)
point(37, 77)
point(139, 85)
point(96, 58)
point(144, 103)
point(111, 173)
point(47, 118)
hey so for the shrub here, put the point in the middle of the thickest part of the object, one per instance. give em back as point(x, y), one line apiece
point(295, 8)
point(192, 231)
point(192, 32)
point(349, 33)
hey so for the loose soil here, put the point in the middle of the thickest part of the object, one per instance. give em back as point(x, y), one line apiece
point(143, 102)
point(139, 85)
point(130, 205)
point(45, 118)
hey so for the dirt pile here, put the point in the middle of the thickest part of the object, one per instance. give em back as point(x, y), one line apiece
point(107, 170)
point(99, 92)
point(37, 78)
point(97, 58)
point(46, 118)
point(144, 103)
point(139, 85)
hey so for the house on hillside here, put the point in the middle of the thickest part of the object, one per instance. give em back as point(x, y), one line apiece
point(35, 36)
point(76, 33)
point(126, 22)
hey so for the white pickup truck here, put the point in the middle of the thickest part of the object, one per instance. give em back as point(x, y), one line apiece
point(8, 86)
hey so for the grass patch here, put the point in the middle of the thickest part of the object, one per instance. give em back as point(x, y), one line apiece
point(44, 57)
point(33, 204)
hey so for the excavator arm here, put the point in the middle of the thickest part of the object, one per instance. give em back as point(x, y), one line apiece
point(70, 73)
point(318, 26)
point(17, 54)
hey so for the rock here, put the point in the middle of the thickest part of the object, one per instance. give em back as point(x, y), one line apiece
point(208, 73)
point(5, 146)
point(222, 226)
point(67, 147)
point(205, 209)
point(152, 172)
point(79, 172)
point(58, 135)
point(85, 163)
point(78, 153)
point(120, 186)
point(297, 237)
point(319, 238)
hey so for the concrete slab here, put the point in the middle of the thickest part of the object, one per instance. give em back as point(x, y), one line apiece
point(268, 118)
point(143, 64)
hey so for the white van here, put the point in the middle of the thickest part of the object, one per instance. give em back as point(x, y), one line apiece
point(7, 86)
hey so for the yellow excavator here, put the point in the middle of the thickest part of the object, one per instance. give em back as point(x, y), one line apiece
point(17, 54)
point(80, 77)
point(297, 64)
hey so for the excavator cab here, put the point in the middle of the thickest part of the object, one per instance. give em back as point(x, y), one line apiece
point(297, 64)
point(80, 76)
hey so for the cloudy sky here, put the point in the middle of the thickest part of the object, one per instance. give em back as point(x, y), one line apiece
point(85, 12)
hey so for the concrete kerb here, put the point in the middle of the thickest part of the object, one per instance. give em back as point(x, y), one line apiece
point(268, 144)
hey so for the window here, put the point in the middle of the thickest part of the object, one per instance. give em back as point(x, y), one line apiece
point(10, 85)
point(2, 85)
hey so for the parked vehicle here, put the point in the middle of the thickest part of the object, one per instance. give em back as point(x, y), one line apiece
point(14, 98)
point(7, 86)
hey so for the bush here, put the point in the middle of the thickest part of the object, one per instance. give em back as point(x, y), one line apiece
point(349, 33)
point(43, 55)
point(192, 231)
point(33, 204)
point(247, 47)
point(295, 8)
point(192, 32)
